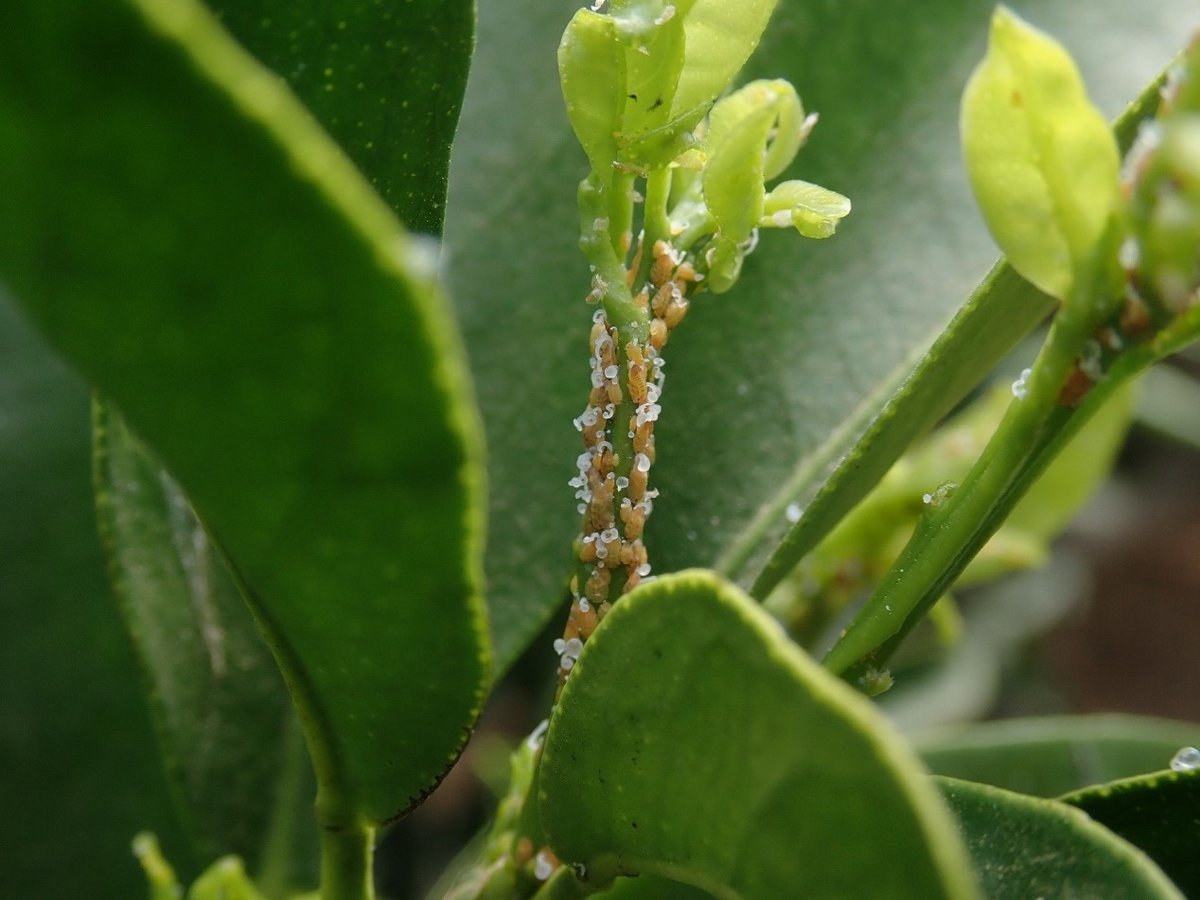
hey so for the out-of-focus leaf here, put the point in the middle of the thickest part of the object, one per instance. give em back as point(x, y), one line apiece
point(384, 79)
point(76, 743)
point(1042, 160)
point(227, 279)
point(1056, 754)
point(772, 383)
point(223, 714)
point(1030, 847)
point(1156, 813)
point(694, 741)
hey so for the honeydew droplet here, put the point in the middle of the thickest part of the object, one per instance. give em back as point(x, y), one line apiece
point(622, 484)
point(643, 570)
point(574, 647)
point(609, 535)
point(611, 373)
point(1186, 760)
point(559, 646)
point(642, 462)
point(584, 606)
point(793, 512)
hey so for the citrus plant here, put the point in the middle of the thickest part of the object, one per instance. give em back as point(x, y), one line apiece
point(232, 221)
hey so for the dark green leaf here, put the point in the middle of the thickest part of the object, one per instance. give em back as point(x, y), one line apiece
point(1158, 813)
point(384, 79)
point(223, 714)
point(651, 887)
point(1053, 755)
point(771, 383)
point(76, 744)
point(1029, 847)
point(187, 238)
point(694, 741)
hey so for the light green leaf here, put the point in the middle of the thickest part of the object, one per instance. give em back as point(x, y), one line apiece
point(1041, 157)
point(228, 280)
point(1029, 847)
point(814, 210)
point(160, 877)
point(1157, 814)
point(224, 717)
point(1055, 754)
point(591, 70)
point(694, 741)
point(738, 144)
point(719, 36)
point(225, 879)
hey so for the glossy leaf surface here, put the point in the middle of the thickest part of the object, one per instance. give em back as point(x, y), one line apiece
point(1156, 813)
point(770, 384)
point(1041, 157)
point(235, 287)
point(385, 80)
point(222, 711)
point(693, 740)
point(1029, 847)
point(1053, 755)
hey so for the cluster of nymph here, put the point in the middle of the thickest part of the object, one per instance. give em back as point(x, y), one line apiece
point(612, 484)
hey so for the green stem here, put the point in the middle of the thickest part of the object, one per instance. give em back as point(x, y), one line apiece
point(347, 846)
point(656, 225)
point(598, 235)
point(620, 212)
point(951, 534)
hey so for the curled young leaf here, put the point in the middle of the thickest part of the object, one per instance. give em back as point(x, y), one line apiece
point(639, 78)
point(753, 134)
point(814, 211)
point(591, 69)
point(1041, 158)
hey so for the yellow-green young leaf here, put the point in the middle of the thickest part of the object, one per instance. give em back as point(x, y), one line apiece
point(719, 36)
point(591, 70)
point(1041, 158)
point(160, 877)
point(226, 879)
point(814, 211)
point(654, 54)
point(761, 122)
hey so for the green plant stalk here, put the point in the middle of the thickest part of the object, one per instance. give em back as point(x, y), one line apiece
point(1059, 430)
point(346, 853)
point(953, 531)
point(656, 225)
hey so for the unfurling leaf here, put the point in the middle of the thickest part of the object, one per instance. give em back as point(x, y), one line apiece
point(1041, 158)
point(814, 210)
point(638, 79)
